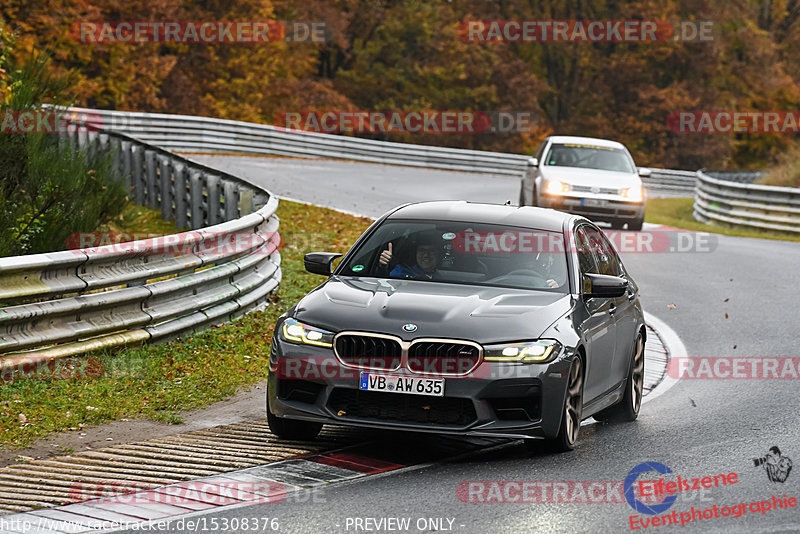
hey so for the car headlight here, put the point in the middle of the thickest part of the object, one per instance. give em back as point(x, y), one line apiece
point(633, 193)
point(298, 332)
point(526, 352)
point(554, 187)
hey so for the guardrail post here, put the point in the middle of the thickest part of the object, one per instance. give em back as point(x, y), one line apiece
point(179, 171)
point(137, 177)
point(196, 183)
point(150, 171)
point(231, 200)
point(259, 199)
point(165, 174)
point(245, 201)
point(212, 189)
point(126, 165)
point(91, 145)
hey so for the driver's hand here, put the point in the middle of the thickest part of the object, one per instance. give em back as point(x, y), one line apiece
point(386, 256)
point(552, 283)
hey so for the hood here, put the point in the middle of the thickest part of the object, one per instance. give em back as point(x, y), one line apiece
point(590, 177)
point(481, 314)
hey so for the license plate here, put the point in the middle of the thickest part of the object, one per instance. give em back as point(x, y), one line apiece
point(593, 202)
point(402, 384)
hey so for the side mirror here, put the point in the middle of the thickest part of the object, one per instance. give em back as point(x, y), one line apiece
point(644, 172)
point(319, 262)
point(604, 286)
point(533, 162)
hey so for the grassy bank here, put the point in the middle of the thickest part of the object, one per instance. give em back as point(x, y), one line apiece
point(158, 381)
point(677, 212)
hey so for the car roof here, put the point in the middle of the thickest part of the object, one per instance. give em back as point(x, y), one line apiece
point(463, 211)
point(586, 140)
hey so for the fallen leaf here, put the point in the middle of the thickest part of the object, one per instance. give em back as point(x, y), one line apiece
point(734, 346)
point(726, 315)
point(22, 418)
point(341, 413)
point(672, 306)
point(726, 300)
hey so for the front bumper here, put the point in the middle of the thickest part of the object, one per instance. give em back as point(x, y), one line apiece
point(609, 209)
point(496, 399)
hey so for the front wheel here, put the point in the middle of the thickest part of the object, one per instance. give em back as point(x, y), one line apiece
point(292, 429)
point(636, 225)
point(628, 408)
point(571, 416)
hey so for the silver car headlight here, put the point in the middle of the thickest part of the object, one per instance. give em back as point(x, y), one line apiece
point(554, 187)
point(297, 332)
point(539, 351)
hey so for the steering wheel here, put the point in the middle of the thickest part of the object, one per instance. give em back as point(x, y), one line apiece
point(520, 272)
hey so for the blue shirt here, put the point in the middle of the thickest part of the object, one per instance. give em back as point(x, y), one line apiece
point(414, 273)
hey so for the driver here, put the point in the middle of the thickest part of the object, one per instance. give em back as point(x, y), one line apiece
point(427, 255)
point(543, 263)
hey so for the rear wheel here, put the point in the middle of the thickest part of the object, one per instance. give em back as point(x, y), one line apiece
point(571, 416)
point(628, 408)
point(292, 429)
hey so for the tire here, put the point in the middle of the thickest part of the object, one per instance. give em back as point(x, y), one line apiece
point(616, 225)
point(571, 415)
point(636, 226)
point(292, 429)
point(628, 408)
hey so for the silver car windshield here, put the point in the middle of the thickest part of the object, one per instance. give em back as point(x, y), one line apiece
point(463, 253)
point(588, 156)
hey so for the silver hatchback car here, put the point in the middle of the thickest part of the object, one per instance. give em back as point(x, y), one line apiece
point(596, 178)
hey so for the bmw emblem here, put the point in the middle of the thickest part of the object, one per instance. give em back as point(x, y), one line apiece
point(410, 327)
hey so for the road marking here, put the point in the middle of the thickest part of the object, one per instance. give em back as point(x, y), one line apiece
point(675, 348)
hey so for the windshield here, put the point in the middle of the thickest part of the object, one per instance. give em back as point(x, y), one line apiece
point(463, 253)
point(589, 157)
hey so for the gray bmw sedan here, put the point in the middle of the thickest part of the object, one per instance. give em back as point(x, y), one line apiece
point(462, 318)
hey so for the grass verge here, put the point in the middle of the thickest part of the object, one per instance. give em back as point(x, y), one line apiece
point(158, 381)
point(677, 212)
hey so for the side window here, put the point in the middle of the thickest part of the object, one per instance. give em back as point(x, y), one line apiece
point(614, 263)
point(586, 260)
point(604, 255)
point(540, 151)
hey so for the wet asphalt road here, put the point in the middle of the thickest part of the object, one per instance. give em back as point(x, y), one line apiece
point(698, 428)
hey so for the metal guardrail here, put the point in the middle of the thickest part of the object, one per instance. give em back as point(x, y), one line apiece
point(185, 133)
point(751, 206)
point(204, 134)
point(70, 302)
point(669, 182)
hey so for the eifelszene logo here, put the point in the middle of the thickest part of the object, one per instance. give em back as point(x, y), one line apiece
point(630, 486)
